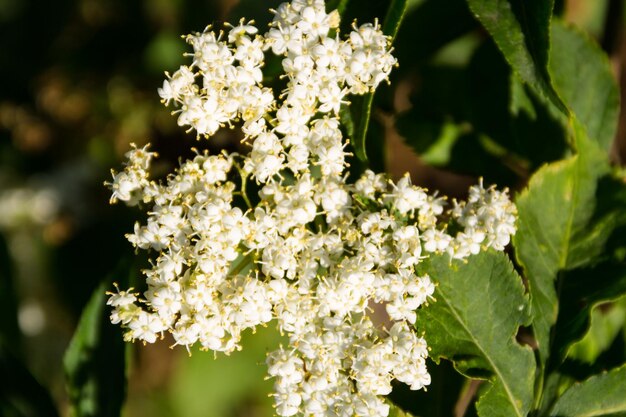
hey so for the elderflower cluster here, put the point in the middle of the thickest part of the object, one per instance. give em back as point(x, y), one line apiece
point(318, 254)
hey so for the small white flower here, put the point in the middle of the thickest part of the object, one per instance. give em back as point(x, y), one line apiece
point(318, 250)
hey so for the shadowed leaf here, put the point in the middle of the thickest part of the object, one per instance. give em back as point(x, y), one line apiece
point(600, 395)
point(521, 30)
point(581, 73)
point(94, 362)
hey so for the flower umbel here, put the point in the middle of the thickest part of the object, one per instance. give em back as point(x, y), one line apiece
point(317, 252)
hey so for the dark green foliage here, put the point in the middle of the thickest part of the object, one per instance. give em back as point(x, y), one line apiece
point(95, 360)
point(435, 402)
point(536, 103)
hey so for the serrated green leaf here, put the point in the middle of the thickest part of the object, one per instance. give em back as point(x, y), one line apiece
point(480, 304)
point(393, 20)
point(521, 30)
point(600, 395)
point(582, 75)
point(555, 231)
point(390, 27)
point(539, 131)
point(94, 361)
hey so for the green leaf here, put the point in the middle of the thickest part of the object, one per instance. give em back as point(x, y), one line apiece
point(529, 137)
point(433, 142)
point(429, 26)
point(94, 361)
point(444, 127)
point(346, 119)
point(480, 304)
point(600, 395)
point(582, 75)
point(481, 120)
point(339, 5)
point(556, 230)
point(393, 20)
point(537, 129)
point(361, 117)
point(519, 100)
point(391, 25)
point(521, 30)
point(606, 323)
point(581, 290)
point(395, 411)
point(221, 384)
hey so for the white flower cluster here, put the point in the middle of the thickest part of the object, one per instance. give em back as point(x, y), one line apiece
point(317, 254)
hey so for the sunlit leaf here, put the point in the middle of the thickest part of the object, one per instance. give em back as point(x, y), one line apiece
point(556, 230)
point(480, 305)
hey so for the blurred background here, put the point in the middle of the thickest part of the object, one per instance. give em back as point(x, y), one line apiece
point(78, 82)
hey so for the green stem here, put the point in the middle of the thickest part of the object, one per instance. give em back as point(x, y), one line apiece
point(244, 182)
point(244, 194)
